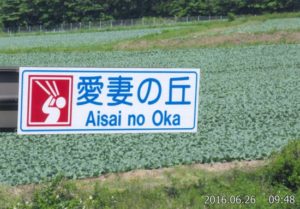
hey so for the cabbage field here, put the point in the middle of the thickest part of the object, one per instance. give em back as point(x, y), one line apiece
point(75, 39)
point(96, 38)
point(267, 26)
point(249, 107)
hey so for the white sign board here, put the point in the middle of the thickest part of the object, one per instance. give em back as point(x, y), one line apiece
point(107, 100)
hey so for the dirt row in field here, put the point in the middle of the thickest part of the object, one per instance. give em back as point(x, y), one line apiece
point(149, 178)
point(216, 40)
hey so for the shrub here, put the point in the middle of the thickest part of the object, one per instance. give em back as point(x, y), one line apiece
point(101, 198)
point(172, 191)
point(285, 167)
point(57, 194)
point(231, 16)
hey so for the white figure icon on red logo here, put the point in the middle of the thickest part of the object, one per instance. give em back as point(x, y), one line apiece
point(50, 100)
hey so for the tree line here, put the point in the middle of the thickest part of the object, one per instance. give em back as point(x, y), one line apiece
point(15, 13)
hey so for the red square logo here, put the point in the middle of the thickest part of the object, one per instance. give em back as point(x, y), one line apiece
point(49, 100)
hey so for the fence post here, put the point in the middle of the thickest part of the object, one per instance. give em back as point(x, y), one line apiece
point(128, 22)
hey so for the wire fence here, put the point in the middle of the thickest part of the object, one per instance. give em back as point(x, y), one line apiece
point(103, 25)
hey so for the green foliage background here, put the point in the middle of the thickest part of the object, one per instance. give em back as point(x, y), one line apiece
point(49, 13)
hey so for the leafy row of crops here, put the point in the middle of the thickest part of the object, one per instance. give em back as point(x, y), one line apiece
point(75, 39)
point(267, 26)
point(249, 107)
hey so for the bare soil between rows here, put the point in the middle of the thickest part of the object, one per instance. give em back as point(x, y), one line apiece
point(199, 40)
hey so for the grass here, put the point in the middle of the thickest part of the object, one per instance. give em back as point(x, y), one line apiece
point(211, 41)
point(153, 42)
point(188, 35)
point(242, 18)
point(115, 28)
point(179, 187)
point(187, 28)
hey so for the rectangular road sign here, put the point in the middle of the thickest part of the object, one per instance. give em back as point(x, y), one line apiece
point(107, 100)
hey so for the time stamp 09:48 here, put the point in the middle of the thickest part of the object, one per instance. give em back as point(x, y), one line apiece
point(247, 199)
